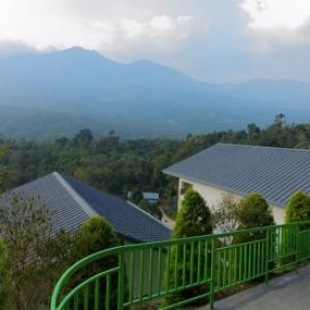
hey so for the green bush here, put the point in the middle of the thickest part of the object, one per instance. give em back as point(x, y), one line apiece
point(95, 235)
point(194, 219)
point(253, 212)
point(297, 208)
point(5, 286)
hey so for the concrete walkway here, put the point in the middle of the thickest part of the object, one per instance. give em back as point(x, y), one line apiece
point(291, 291)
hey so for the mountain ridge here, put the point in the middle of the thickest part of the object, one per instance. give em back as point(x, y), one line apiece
point(140, 99)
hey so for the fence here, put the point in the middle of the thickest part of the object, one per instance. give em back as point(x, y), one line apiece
point(195, 267)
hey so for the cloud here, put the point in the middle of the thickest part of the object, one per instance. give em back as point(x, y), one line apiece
point(117, 29)
point(8, 48)
point(163, 32)
point(269, 14)
point(216, 40)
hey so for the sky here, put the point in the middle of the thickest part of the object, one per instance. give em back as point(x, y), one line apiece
point(219, 41)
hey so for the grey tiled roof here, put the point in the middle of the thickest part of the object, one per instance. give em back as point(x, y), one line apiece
point(274, 172)
point(71, 202)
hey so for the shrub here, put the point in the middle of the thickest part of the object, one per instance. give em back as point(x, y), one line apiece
point(253, 212)
point(297, 208)
point(94, 235)
point(194, 219)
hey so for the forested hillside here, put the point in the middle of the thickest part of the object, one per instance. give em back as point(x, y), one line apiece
point(119, 166)
point(64, 91)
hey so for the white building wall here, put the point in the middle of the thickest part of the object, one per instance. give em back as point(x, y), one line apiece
point(213, 196)
point(278, 214)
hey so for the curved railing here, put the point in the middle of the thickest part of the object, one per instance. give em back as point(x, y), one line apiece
point(205, 264)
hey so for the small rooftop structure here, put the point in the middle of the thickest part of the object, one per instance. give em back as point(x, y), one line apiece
point(151, 196)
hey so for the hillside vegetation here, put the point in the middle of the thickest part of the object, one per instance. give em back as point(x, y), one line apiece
point(118, 166)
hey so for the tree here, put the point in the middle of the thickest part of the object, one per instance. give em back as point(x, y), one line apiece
point(5, 281)
point(297, 208)
point(83, 138)
point(96, 234)
point(225, 215)
point(193, 219)
point(253, 133)
point(36, 257)
point(4, 171)
point(136, 196)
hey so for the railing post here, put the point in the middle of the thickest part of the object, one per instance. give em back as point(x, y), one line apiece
point(297, 246)
point(121, 280)
point(268, 243)
point(212, 283)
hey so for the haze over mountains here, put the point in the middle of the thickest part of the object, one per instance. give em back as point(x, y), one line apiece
point(59, 93)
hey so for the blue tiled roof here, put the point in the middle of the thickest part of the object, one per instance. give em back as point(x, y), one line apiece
point(71, 202)
point(274, 172)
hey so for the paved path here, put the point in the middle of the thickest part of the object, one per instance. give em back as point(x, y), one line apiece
point(291, 291)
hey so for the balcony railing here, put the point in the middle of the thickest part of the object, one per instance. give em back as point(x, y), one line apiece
point(144, 272)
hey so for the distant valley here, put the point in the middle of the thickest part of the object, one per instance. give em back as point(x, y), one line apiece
point(55, 94)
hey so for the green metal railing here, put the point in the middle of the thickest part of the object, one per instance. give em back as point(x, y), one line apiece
point(144, 272)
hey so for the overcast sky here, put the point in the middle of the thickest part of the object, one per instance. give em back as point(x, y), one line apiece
point(213, 40)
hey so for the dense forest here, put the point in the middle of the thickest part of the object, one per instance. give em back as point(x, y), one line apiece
point(119, 166)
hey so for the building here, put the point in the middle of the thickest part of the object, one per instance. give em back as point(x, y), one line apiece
point(71, 202)
point(151, 197)
point(241, 169)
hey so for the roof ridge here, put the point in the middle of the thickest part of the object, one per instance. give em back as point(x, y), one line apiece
point(78, 198)
point(261, 147)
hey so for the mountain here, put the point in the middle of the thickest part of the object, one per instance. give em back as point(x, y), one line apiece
point(58, 93)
